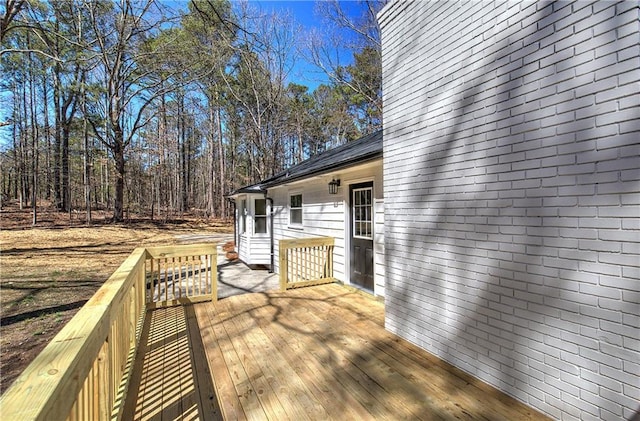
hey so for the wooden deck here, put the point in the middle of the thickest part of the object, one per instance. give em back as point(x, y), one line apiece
point(311, 353)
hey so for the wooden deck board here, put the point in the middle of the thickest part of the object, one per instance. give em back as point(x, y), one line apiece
point(293, 349)
point(289, 396)
point(171, 375)
point(224, 384)
point(311, 353)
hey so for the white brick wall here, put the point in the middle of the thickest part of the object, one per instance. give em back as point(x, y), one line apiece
point(512, 195)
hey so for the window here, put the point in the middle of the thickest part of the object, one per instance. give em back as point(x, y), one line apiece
point(363, 213)
point(260, 216)
point(295, 209)
point(243, 216)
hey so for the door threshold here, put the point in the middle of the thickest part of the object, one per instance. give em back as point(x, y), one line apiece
point(361, 290)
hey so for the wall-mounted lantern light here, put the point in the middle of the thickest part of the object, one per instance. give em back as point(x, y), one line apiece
point(333, 186)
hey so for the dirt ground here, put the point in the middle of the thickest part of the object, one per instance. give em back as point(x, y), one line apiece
point(49, 271)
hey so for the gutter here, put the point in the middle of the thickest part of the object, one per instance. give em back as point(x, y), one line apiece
point(271, 235)
point(235, 224)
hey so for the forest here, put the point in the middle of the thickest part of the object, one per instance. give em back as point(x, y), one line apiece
point(159, 108)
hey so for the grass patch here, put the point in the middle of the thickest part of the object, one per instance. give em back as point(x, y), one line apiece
point(48, 273)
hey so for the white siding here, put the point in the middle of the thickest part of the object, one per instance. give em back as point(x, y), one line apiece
point(324, 215)
point(512, 195)
point(260, 251)
point(254, 249)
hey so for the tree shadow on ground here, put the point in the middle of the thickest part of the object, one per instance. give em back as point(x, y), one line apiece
point(170, 378)
point(4, 321)
point(328, 356)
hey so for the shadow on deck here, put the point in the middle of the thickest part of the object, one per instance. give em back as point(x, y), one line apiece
point(311, 353)
point(171, 378)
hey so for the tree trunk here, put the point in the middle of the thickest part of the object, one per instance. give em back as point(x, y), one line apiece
point(65, 181)
point(47, 135)
point(184, 167)
point(34, 150)
point(16, 142)
point(223, 209)
point(211, 164)
point(118, 156)
point(87, 160)
point(57, 139)
point(24, 133)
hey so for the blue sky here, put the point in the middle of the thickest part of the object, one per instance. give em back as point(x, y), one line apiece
point(303, 12)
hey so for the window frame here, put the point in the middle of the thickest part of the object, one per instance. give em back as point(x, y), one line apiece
point(243, 216)
point(297, 209)
point(261, 216)
point(366, 217)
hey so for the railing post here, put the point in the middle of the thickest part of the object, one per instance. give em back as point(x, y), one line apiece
point(214, 278)
point(284, 265)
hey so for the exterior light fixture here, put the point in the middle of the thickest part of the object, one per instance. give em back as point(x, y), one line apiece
point(333, 186)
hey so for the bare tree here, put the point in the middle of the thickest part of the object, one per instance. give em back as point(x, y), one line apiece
point(263, 60)
point(360, 80)
point(128, 87)
point(210, 28)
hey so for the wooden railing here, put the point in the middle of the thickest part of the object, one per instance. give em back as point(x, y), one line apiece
point(306, 262)
point(181, 275)
point(84, 373)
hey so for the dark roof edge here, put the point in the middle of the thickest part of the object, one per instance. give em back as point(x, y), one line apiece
point(255, 188)
point(322, 163)
point(344, 164)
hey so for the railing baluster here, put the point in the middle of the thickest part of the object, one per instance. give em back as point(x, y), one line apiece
point(295, 266)
point(93, 396)
point(187, 275)
point(295, 275)
point(202, 282)
point(179, 283)
point(173, 277)
point(316, 261)
point(191, 272)
point(197, 268)
point(213, 260)
point(202, 274)
point(304, 262)
point(207, 285)
point(160, 280)
point(149, 290)
point(166, 279)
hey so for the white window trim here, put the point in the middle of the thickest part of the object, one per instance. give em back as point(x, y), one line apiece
point(242, 214)
point(265, 216)
point(295, 225)
point(372, 221)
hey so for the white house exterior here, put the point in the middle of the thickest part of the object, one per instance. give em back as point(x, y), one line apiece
point(297, 204)
point(512, 193)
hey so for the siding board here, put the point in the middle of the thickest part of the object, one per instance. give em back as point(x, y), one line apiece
point(324, 215)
